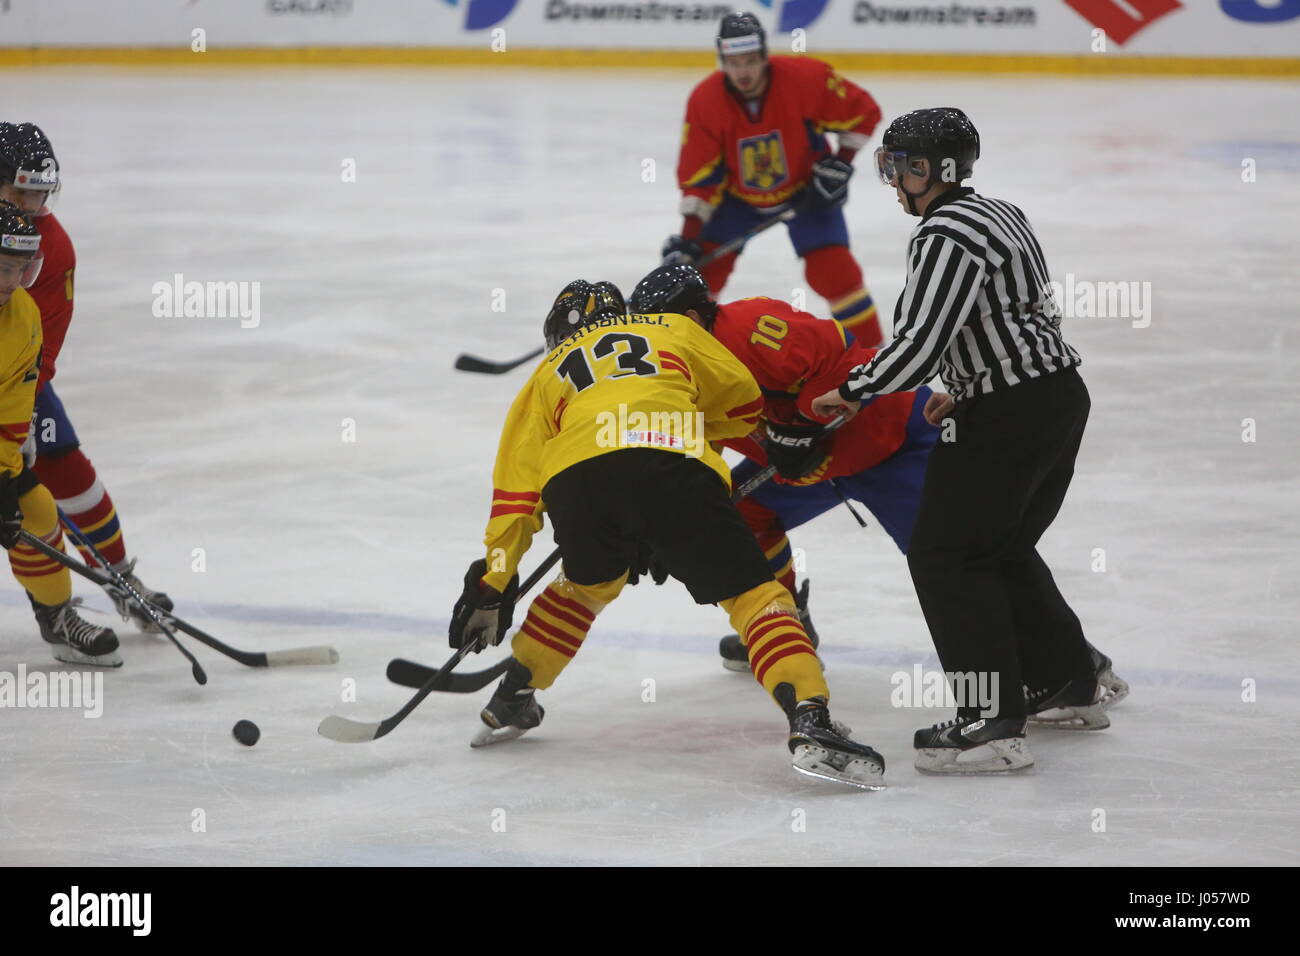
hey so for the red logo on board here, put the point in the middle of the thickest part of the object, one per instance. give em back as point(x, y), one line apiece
point(1118, 20)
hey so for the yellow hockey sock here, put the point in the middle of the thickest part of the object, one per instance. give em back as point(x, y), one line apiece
point(780, 651)
point(47, 581)
point(557, 624)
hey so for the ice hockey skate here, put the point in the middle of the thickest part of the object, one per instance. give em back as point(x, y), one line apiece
point(822, 748)
point(973, 745)
point(125, 604)
point(512, 711)
point(75, 640)
point(1079, 704)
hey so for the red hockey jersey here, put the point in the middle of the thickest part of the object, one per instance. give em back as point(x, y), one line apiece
point(53, 291)
point(794, 357)
point(764, 161)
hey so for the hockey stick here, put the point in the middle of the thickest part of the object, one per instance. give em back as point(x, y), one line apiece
point(317, 654)
point(412, 674)
point(200, 676)
point(731, 245)
point(347, 731)
point(847, 503)
point(472, 363)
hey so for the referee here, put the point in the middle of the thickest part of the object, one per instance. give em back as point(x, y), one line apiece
point(977, 311)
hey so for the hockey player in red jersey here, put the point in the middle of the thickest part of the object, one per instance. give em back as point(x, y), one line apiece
point(29, 178)
point(754, 145)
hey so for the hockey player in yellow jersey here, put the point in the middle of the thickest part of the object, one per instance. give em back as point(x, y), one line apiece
point(611, 436)
point(24, 503)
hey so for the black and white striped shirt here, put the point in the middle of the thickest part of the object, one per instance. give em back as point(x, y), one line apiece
point(977, 308)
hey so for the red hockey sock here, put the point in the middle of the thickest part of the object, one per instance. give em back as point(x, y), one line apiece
point(72, 480)
point(717, 271)
point(835, 276)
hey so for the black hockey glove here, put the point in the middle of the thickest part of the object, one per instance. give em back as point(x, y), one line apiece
point(830, 182)
point(646, 565)
point(481, 615)
point(679, 251)
point(11, 516)
point(795, 448)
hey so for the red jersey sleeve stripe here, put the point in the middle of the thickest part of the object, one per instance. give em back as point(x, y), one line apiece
point(499, 510)
point(499, 495)
point(678, 368)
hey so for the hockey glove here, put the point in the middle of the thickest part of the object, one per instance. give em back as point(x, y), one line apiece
point(680, 251)
point(830, 182)
point(646, 565)
point(11, 516)
point(795, 449)
point(482, 615)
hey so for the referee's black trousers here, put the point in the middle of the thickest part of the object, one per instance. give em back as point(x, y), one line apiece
point(989, 599)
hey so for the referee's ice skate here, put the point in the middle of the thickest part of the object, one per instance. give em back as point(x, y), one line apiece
point(969, 745)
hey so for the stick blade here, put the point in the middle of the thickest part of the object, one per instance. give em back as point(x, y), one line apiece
point(320, 654)
point(347, 731)
point(410, 674)
point(471, 363)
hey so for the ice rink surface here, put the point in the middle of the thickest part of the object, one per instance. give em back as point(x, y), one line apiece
point(230, 439)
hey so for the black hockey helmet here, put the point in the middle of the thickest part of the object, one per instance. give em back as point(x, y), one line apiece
point(581, 303)
point(944, 135)
point(20, 245)
point(674, 288)
point(741, 33)
point(609, 298)
point(27, 161)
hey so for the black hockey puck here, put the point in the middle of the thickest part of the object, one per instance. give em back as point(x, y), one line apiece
point(246, 732)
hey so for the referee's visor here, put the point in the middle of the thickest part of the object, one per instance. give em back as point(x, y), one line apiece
point(893, 163)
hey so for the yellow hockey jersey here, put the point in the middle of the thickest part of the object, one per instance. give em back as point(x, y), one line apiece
point(20, 358)
point(640, 381)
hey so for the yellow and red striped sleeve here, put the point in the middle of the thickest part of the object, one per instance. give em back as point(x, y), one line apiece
point(517, 507)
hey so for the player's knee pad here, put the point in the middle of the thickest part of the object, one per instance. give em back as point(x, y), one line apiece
point(591, 596)
point(766, 599)
point(40, 514)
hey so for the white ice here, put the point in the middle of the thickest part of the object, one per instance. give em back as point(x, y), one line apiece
point(230, 439)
